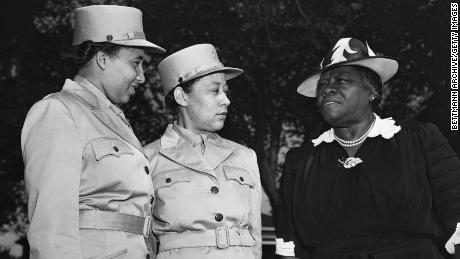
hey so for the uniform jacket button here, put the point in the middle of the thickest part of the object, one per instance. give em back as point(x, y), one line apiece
point(214, 189)
point(146, 169)
point(115, 148)
point(219, 217)
point(241, 179)
point(168, 180)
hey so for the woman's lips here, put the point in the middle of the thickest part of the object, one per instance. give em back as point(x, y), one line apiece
point(329, 102)
point(223, 114)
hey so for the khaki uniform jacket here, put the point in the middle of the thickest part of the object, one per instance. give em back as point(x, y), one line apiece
point(79, 155)
point(196, 192)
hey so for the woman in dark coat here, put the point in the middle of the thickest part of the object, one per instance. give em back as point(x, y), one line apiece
point(368, 187)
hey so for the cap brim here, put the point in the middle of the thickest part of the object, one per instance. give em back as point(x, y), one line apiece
point(230, 73)
point(150, 47)
point(308, 87)
point(385, 67)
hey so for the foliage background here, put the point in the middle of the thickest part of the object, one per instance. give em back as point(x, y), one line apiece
point(277, 42)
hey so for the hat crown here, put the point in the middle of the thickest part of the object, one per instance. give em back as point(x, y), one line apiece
point(99, 23)
point(186, 64)
point(350, 52)
point(121, 25)
point(347, 49)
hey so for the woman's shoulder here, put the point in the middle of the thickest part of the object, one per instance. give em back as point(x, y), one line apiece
point(152, 149)
point(237, 147)
point(300, 152)
point(428, 132)
point(412, 124)
point(419, 127)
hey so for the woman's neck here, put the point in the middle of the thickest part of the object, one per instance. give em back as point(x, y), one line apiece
point(186, 123)
point(355, 130)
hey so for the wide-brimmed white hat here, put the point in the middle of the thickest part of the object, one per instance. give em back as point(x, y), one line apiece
point(119, 25)
point(350, 52)
point(190, 63)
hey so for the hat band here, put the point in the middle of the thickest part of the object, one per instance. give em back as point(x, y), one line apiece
point(125, 36)
point(200, 69)
point(114, 37)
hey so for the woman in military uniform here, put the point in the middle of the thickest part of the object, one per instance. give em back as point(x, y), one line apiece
point(86, 173)
point(207, 188)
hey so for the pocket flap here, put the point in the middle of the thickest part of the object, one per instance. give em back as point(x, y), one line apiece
point(238, 174)
point(170, 178)
point(109, 146)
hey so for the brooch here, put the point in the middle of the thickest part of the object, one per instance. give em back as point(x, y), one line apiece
point(350, 162)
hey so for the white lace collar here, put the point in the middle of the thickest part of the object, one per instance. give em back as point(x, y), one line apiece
point(382, 127)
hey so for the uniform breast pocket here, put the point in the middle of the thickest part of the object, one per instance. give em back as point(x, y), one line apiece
point(239, 175)
point(103, 147)
point(170, 179)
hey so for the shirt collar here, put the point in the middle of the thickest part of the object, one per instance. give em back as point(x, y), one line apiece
point(103, 100)
point(382, 127)
point(189, 136)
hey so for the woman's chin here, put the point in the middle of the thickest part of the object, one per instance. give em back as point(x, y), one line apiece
point(330, 115)
point(216, 126)
point(219, 126)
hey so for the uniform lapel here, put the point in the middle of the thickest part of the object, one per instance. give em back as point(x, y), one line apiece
point(216, 151)
point(116, 124)
point(182, 152)
point(102, 113)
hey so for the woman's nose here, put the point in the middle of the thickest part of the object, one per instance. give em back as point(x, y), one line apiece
point(140, 75)
point(226, 100)
point(328, 91)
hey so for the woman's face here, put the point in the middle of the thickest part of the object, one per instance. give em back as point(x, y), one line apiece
point(123, 74)
point(343, 96)
point(206, 104)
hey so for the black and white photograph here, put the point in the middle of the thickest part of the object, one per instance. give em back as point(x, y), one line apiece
point(218, 129)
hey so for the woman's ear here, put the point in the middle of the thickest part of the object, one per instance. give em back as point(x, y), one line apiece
point(101, 60)
point(180, 96)
point(375, 98)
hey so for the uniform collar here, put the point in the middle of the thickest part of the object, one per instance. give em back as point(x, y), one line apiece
point(101, 108)
point(188, 135)
point(382, 127)
point(177, 144)
point(104, 102)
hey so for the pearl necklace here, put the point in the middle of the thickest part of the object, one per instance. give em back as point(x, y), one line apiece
point(356, 142)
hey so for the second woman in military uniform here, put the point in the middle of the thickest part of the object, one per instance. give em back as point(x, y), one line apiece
point(207, 188)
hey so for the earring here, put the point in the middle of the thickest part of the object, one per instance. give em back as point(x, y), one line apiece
point(372, 99)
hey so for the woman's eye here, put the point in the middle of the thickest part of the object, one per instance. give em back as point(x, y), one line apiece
point(322, 83)
point(320, 87)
